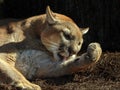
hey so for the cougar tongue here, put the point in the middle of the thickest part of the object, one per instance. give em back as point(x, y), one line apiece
point(63, 57)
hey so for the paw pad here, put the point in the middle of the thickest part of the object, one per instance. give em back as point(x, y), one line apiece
point(94, 51)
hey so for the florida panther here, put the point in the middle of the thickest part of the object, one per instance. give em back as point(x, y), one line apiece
point(42, 46)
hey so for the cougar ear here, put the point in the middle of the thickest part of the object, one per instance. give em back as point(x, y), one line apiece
point(49, 16)
point(84, 30)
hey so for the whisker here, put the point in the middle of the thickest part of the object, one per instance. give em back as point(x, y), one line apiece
point(52, 45)
point(55, 44)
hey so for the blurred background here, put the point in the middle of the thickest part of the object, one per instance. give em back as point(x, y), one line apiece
point(102, 16)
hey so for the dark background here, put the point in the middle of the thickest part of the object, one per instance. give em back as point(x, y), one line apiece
point(102, 16)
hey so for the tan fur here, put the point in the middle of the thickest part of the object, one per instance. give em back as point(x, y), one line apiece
point(42, 46)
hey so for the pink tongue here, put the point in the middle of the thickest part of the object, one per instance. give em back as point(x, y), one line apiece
point(65, 58)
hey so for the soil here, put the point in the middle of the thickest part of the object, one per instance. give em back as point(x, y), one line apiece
point(105, 75)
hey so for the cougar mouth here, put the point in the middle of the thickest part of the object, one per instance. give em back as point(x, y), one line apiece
point(63, 57)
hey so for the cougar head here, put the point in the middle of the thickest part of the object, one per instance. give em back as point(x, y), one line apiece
point(61, 36)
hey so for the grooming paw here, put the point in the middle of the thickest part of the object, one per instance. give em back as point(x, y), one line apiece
point(94, 52)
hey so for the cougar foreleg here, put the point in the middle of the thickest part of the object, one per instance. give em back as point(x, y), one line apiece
point(92, 55)
point(16, 78)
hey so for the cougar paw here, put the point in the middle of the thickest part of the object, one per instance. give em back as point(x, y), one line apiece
point(26, 86)
point(94, 52)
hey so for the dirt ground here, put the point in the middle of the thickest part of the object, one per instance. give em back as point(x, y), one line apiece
point(105, 75)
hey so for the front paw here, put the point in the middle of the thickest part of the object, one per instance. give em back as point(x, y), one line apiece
point(94, 52)
point(26, 86)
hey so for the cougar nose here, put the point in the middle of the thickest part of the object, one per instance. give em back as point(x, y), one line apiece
point(71, 51)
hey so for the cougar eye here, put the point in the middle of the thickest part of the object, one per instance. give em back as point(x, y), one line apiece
point(68, 36)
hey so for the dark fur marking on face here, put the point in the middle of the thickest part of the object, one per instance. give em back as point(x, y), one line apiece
point(68, 36)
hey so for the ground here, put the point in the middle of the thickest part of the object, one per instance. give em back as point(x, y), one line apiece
point(105, 75)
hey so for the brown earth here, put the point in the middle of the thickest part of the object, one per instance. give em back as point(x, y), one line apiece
point(105, 75)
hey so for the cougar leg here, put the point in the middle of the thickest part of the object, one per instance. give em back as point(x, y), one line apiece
point(17, 79)
point(92, 55)
point(75, 64)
